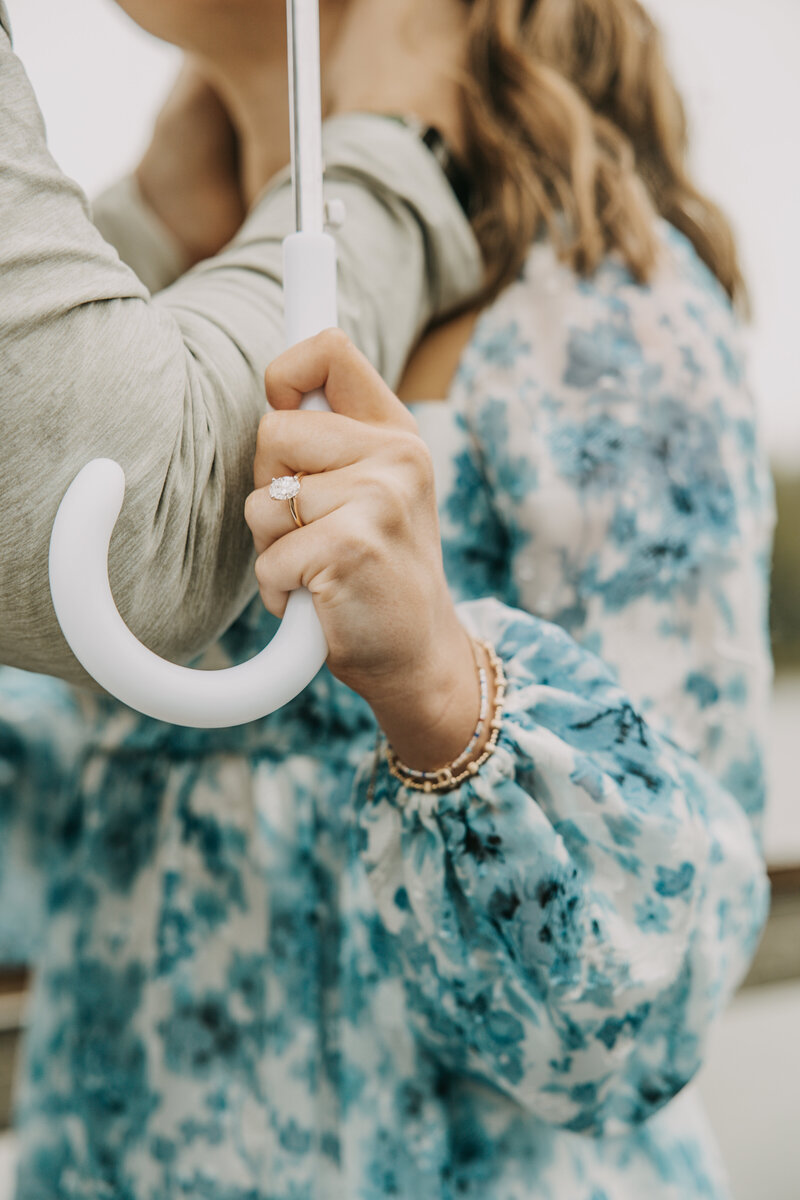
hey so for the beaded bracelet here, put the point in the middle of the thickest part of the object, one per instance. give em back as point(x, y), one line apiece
point(448, 777)
point(433, 776)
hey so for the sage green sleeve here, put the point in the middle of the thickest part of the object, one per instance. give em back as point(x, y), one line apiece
point(138, 235)
point(171, 386)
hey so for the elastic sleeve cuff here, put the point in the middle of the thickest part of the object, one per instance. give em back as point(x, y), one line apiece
point(379, 785)
point(487, 787)
point(143, 242)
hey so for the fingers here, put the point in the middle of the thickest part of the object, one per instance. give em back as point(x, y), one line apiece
point(309, 441)
point(304, 559)
point(281, 568)
point(319, 496)
point(352, 386)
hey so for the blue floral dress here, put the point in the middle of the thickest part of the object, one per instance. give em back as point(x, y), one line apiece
point(272, 974)
point(41, 735)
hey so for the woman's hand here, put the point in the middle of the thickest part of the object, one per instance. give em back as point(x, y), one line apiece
point(369, 551)
point(190, 172)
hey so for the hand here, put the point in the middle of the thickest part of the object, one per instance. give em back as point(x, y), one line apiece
point(406, 57)
point(369, 551)
point(190, 173)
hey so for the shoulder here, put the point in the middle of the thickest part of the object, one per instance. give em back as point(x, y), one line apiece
point(579, 330)
point(574, 347)
point(600, 390)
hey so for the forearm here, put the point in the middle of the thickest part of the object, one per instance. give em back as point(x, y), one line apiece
point(429, 718)
point(173, 389)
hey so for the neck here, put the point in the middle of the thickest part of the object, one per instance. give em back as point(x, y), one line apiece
point(256, 94)
point(252, 80)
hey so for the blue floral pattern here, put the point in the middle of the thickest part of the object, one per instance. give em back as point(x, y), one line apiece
point(270, 973)
point(41, 737)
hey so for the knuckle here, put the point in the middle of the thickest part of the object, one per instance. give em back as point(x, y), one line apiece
point(272, 423)
point(425, 461)
point(374, 487)
point(262, 572)
point(384, 496)
point(412, 452)
point(270, 597)
point(270, 447)
point(408, 423)
point(357, 544)
point(407, 446)
point(269, 432)
point(272, 430)
point(334, 342)
point(394, 493)
point(251, 506)
point(263, 433)
point(273, 374)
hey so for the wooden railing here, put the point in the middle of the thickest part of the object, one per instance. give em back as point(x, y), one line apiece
point(14, 984)
point(778, 956)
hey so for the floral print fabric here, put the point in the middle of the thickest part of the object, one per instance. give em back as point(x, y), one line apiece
point(41, 735)
point(270, 973)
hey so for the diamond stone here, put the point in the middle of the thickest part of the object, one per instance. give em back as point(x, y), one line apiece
point(285, 488)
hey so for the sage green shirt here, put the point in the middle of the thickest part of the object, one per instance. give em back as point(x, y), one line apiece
point(171, 384)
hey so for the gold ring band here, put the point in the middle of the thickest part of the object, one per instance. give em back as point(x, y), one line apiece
point(292, 503)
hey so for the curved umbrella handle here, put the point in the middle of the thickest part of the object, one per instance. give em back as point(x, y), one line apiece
point(84, 605)
point(103, 644)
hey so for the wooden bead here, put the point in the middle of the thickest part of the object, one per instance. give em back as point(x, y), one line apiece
point(445, 779)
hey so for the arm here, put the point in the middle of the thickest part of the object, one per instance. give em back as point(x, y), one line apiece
point(172, 388)
point(143, 242)
point(569, 923)
point(185, 201)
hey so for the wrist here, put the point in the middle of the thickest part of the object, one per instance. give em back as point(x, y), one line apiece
point(429, 713)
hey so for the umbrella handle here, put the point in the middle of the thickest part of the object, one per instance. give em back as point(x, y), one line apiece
point(84, 605)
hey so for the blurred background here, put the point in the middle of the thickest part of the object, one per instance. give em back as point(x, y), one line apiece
point(100, 81)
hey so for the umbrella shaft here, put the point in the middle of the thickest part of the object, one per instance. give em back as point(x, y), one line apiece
point(305, 113)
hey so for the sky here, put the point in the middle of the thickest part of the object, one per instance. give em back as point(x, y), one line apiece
point(100, 81)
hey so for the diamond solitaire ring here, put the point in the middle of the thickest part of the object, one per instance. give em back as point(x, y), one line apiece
point(287, 487)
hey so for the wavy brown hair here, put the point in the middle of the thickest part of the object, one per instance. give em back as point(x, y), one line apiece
point(575, 128)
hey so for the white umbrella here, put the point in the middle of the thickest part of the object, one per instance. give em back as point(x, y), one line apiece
point(82, 597)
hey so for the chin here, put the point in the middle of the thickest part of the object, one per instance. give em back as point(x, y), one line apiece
point(203, 26)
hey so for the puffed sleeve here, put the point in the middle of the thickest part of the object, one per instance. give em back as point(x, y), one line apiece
point(570, 921)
